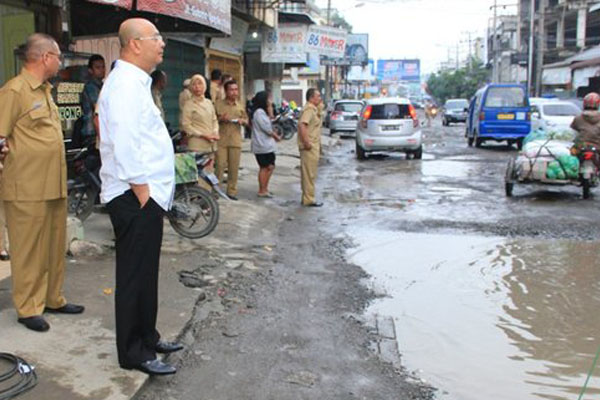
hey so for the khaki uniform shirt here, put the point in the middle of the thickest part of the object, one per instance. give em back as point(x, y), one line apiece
point(184, 96)
point(311, 116)
point(35, 168)
point(231, 133)
point(199, 119)
point(157, 98)
point(216, 92)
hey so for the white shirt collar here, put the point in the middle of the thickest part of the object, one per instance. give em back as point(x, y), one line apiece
point(134, 70)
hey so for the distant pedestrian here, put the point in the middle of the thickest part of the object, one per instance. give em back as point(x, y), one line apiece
point(264, 139)
point(216, 88)
point(34, 186)
point(199, 122)
point(309, 143)
point(232, 118)
point(89, 98)
point(138, 182)
point(159, 84)
point(184, 96)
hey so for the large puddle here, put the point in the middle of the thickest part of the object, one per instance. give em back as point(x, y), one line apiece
point(490, 318)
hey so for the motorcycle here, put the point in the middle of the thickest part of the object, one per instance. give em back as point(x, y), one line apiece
point(83, 189)
point(588, 170)
point(286, 124)
point(195, 211)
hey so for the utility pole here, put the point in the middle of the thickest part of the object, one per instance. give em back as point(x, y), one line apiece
point(495, 44)
point(541, 48)
point(328, 88)
point(530, 58)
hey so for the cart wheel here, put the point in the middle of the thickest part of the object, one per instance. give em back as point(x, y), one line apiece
point(509, 177)
point(585, 184)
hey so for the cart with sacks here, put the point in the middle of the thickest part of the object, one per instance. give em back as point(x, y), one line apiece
point(547, 158)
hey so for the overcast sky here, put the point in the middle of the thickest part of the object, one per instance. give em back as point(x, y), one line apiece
point(422, 29)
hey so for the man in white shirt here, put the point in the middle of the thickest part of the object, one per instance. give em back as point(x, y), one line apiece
point(138, 182)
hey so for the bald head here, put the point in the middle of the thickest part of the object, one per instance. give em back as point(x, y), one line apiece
point(37, 45)
point(133, 28)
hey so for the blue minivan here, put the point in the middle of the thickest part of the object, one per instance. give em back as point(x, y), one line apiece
point(499, 112)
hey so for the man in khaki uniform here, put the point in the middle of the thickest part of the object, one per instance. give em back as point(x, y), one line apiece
point(34, 186)
point(309, 144)
point(232, 116)
point(216, 88)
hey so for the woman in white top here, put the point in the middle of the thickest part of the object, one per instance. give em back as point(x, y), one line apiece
point(264, 139)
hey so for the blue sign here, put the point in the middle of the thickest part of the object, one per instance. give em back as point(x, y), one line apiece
point(399, 70)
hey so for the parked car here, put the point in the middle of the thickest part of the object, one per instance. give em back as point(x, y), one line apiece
point(389, 124)
point(499, 112)
point(344, 116)
point(455, 110)
point(553, 115)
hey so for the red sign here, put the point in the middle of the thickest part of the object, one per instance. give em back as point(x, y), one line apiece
point(213, 13)
point(117, 3)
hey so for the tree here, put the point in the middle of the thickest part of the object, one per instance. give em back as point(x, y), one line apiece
point(460, 83)
point(339, 21)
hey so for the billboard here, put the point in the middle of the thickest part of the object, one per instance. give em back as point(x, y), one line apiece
point(213, 13)
point(326, 40)
point(357, 49)
point(286, 44)
point(360, 73)
point(399, 70)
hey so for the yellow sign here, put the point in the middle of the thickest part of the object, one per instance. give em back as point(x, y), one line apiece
point(506, 116)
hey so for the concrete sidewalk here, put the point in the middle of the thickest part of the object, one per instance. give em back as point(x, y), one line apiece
point(76, 359)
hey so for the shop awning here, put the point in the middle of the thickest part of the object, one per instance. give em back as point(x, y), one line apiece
point(98, 17)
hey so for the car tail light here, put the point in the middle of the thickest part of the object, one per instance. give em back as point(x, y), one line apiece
point(366, 115)
point(413, 115)
point(481, 116)
point(336, 114)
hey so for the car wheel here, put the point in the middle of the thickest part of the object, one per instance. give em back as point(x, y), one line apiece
point(418, 154)
point(520, 144)
point(360, 152)
point(478, 140)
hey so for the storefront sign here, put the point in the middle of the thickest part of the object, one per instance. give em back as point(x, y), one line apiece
point(67, 100)
point(117, 3)
point(327, 41)
point(235, 43)
point(286, 44)
point(213, 13)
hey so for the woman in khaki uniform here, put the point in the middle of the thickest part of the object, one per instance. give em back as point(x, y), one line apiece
point(199, 121)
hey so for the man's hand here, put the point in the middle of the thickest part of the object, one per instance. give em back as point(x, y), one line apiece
point(224, 117)
point(5, 150)
point(142, 192)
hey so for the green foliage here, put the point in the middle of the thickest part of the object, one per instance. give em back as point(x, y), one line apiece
point(339, 21)
point(461, 83)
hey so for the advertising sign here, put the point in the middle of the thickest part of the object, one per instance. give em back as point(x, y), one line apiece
point(357, 49)
point(213, 13)
point(118, 3)
point(235, 43)
point(360, 73)
point(399, 70)
point(286, 44)
point(326, 41)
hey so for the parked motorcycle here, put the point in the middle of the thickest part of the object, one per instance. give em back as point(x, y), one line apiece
point(83, 188)
point(286, 124)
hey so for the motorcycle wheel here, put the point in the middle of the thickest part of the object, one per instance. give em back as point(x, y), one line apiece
point(586, 185)
point(80, 202)
point(195, 212)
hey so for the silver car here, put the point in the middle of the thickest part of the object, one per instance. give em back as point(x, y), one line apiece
point(389, 124)
point(344, 116)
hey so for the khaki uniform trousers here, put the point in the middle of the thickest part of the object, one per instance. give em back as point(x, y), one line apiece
point(228, 157)
point(37, 235)
point(309, 163)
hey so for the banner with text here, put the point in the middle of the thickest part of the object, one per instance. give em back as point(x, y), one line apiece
point(327, 41)
point(399, 70)
point(216, 14)
point(117, 3)
point(286, 44)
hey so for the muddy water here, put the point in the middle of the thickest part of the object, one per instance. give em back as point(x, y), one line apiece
point(490, 318)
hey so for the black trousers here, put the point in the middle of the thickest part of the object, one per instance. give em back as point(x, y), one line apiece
point(138, 233)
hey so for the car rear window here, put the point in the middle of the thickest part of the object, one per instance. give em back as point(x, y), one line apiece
point(457, 104)
point(561, 110)
point(349, 107)
point(390, 111)
point(505, 97)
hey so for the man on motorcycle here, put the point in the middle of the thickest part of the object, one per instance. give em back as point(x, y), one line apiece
point(587, 125)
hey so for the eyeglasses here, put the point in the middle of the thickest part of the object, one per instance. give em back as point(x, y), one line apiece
point(57, 55)
point(157, 37)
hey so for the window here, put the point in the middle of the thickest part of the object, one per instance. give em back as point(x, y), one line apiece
point(505, 97)
point(390, 111)
point(456, 104)
point(349, 107)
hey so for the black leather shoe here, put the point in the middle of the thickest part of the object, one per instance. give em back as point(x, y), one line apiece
point(234, 198)
point(154, 367)
point(66, 309)
point(315, 204)
point(167, 347)
point(36, 323)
